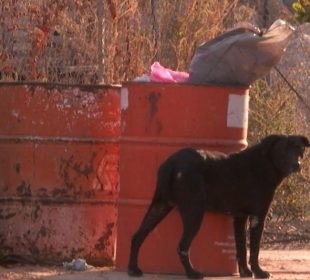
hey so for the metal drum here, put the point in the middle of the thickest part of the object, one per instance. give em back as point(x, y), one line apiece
point(156, 120)
point(59, 172)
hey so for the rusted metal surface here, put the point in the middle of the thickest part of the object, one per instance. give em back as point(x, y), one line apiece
point(59, 171)
point(158, 119)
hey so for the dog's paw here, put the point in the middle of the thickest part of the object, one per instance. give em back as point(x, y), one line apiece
point(261, 274)
point(134, 272)
point(194, 274)
point(245, 273)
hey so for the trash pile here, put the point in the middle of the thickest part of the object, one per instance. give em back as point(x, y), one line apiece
point(76, 265)
point(237, 57)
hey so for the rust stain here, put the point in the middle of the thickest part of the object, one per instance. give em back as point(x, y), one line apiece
point(2, 240)
point(43, 231)
point(78, 166)
point(58, 192)
point(71, 170)
point(5, 189)
point(60, 201)
point(5, 216)
point(32, 246)
point(107, 174)
point(17, 168)
point(104, 240)
point(76, 252)
point(42, 192)
point(32, 239)
point(159, 127)
point(89, 194)
point(23, 189)
point(36, 211)
point(154, 123)
point(153, 100)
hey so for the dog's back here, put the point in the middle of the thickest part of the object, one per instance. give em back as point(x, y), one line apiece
point(231, 184)
point(177, 168)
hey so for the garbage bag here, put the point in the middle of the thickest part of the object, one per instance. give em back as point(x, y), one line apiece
point(240, 56)
point(76, 264)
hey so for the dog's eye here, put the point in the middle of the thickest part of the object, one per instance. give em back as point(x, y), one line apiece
point(301, 150)
point(298, 149)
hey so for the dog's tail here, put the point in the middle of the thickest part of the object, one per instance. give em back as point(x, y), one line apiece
point(165, 177)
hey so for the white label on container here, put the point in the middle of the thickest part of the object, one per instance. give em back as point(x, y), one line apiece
point(237, 112)
point(124, 98)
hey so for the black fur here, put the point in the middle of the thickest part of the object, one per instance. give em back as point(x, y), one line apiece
point(241, 184)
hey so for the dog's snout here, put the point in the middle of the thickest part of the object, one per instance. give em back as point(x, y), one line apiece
point(297, 166)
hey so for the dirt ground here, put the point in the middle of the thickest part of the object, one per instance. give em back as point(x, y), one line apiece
point(283, 264)
point(285, 254)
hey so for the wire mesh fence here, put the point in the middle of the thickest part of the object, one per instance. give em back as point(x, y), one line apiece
point(110, 41)
point(96, 41)
point(54, 41)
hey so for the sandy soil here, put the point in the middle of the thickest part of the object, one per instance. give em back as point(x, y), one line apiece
point(283, 264)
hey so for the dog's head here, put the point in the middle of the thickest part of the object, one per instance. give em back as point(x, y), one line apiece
point(285, 152)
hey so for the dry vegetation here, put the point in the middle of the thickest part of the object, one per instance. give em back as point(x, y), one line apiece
point(53, 41)
point(57, 41)
point(274, 110)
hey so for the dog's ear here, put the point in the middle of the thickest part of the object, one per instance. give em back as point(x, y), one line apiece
point(305, 141)
point(269, 141)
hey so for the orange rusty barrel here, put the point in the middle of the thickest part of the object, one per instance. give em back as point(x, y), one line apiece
point(59, 162)
point(158, 119)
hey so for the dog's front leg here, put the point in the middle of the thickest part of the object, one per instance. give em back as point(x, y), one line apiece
point(256, 230)
point(240, 238)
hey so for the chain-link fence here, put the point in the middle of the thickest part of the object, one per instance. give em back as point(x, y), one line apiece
point(96, 41)
point(53, 41)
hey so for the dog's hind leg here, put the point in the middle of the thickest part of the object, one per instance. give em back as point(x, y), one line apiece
point(157, 211)
point(192, 216)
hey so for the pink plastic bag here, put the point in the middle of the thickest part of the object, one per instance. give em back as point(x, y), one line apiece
point(165, 75)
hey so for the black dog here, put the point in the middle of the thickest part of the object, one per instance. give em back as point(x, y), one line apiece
point(241, 184)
